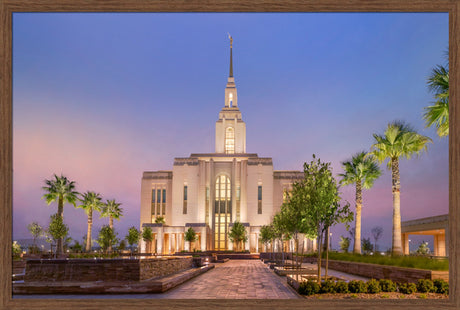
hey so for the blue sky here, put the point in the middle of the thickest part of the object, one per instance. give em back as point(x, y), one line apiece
point(104, 97)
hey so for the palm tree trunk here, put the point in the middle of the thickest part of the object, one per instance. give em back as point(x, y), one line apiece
point(359, 202)
point(60, 245)
point(111, 227)
point(395, 179)
point(88, 234)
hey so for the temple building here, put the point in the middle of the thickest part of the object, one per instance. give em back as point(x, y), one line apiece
point(210, 191)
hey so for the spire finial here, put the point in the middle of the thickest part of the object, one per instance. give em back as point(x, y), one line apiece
point(231, 58)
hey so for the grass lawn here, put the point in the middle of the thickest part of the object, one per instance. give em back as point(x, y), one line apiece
point(419, 262)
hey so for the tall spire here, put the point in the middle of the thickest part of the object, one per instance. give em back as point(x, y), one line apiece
point(231, 58)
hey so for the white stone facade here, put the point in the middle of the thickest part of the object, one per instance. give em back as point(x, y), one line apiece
point(209, 192)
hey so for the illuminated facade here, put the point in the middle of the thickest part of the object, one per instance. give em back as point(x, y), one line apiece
point(210, 191)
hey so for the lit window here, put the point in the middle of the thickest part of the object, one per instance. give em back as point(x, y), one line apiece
point(230, 99)
point(259, 199)
point(184, 211)
point(229, 141)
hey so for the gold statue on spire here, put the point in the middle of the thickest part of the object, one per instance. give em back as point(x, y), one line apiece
point(231, 39)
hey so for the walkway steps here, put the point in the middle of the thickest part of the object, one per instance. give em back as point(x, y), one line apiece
point(159, 285)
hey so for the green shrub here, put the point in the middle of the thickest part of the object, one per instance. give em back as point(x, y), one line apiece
point(425, 286)
point(341, 287)
point(373, 286)
point(327, 286)
point(308, 288)
point(386, 285)
point(407, 288)
point(441, 286)
point(357, 286)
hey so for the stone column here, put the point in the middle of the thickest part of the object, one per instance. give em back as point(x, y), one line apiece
point(435, 245)
point(246, 244)
point(160, 240)
point(405, 243)
point(233, 182)
point(203, 238)
point(243, 200)
point(212, 190)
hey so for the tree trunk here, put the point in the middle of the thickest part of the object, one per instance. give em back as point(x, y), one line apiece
point(359, 203)
point(327, 253)
point(111, 227)
point(319, 254)
point(60, 245)
point(395, 179)
point(88, 234)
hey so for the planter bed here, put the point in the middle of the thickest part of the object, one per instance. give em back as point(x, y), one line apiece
point(282, 271)
point(375, 271)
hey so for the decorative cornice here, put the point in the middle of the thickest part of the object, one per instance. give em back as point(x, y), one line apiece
point(288, 175)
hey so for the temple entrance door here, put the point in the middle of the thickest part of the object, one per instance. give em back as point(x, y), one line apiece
point(222, 212)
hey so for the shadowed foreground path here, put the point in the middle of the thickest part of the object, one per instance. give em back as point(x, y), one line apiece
point(235, 279)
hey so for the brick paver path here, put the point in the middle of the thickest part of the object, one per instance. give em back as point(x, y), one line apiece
point(235, 279)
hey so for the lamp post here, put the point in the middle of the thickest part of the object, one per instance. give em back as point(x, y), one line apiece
point(330, 241)
point(409, 245)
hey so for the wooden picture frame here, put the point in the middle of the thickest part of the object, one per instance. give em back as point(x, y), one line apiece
point(8, 7)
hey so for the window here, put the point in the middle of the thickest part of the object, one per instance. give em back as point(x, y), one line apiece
point(230, 100)
point(222, 212)
point(229, 141)
point(184, 211)
point(259, 199)
point(158, 204)
point(152, 208)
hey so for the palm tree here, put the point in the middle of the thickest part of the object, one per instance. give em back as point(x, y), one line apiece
point(90, 202)
point(438, 114)
point(62, 190)
point(112, 210)
point(362, 171)
point(398, 140)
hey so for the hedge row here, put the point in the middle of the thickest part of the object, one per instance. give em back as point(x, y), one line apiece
point(373, 286)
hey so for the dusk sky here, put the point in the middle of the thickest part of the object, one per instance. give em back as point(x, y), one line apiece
point(103, 97)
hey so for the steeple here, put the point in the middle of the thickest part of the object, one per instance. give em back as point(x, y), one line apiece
point(231, 58)
point(230, 91)
point(230, 128)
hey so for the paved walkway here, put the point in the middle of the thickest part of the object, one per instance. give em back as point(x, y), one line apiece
point(235, 279)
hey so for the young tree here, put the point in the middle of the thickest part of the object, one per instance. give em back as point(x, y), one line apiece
point(398, 140)
point(423, 248)
point(376, 233)
point(190, 236)
point(147, 236)
point(61, 190)
point(76, 247)
point(57, 229)
point(238, 234)
point(16, 250)
point(112, 210)
point(36, 231)
point(90, 202)
point(367, 245)
point(361, 171)
point(344, 243)
point(133, 237)
point(318, 194)
point(266, 235)
point(106, 237)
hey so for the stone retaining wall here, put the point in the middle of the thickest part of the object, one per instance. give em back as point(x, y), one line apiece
point(159, 267)
point(91, 270)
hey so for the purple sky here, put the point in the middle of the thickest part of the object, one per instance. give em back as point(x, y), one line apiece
point(103, 97)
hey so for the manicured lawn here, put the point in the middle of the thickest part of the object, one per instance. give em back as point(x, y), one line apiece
point(419, 262)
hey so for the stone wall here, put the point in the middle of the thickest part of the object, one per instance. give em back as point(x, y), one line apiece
point(91, 270)
point(159, 267)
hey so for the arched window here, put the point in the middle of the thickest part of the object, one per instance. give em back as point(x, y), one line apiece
point(230, 100)
point(229, 141)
